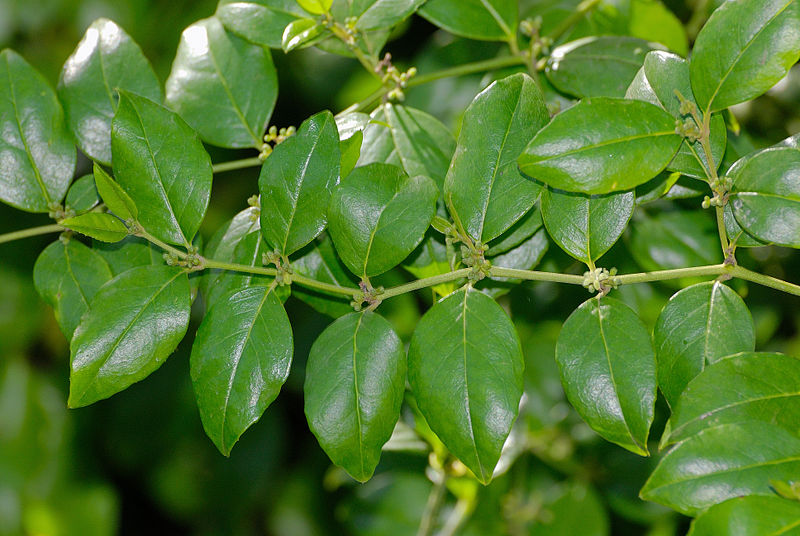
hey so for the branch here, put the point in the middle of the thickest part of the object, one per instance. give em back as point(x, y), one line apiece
point(33, 231)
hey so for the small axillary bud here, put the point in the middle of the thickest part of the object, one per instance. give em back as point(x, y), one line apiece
point(367, 295)
point(58, 212)
point(284, 271)
point(721, 186)
point(391, 75)
point(254, 201)
point(276, 137)
point(475, 259)
point(601, 280)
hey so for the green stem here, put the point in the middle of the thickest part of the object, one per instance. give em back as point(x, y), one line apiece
point(432, 507)
point(237, 164)
point(765, 280)
point(582, 9)
point(664, 275)
point(33, 231)
point(425, 283)
point(166, 247)
point(530, 275)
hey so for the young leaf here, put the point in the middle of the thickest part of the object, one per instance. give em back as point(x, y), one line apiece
point(161, 165)
point(35, 147)
point(744, 49)
point(67, 275)
point(134, 322)
point(240, 359)
point(322, 263)
point(465, 367)
point(114, 196)
point(488, 20)
point(766, 198)
point(597, 66)
point(483, 184)
point(82, 195)
point(259, 21)
point(755, 515)
point(316, 7)
point(301, 33)
point(623, 143)
point(97, 225)
point(586, 226)
point(721, 463)
point(409, 138)
point(296, 183)
point(223, 86)
point(608, 371)
point(700, 325)
point(378, 215)
point(355, 380)
point(106, 59)
point(742, 387)
point(656, 82)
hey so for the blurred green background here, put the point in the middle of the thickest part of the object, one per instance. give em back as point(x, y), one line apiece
point(139, 463)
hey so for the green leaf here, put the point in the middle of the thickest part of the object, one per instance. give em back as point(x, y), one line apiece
point(105, 60)
point(378, 215)
point(652, 20)
point(487, 20)
point(240, 359)
point(223, 86)
point(259, 21)
point(623, 143)
point(700, 325)
point(351, 151)
point(736, 234)
point(744, 49)
point(753, 516)
point(721, 463)
point(597, 66)
point(36, 149)
point(161, 165)
point(355, 380)
point(301, 33)
point(223, 243)
point(296, 183)
point(67, 276)
point(82, 195)
point(586, 226)
point(316, 7)
point(608, 371)
point(742, 387)
point(97, 225)
point(430, 259)
point(525, 256)
point(766, 198)
point(114, 196)
point(517, 233)
point(675, 240)
point(409, 138)
point(465, 367)
point(386, 13)
point(249, 251)
point(129, 253)
point(134, 322)
point(483, 184)
point(656, 82)
point(320, 262)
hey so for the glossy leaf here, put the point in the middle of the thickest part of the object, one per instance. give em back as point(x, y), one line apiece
point(623, 144)
point(409, 138)
point(608, 371)
point(700, 325)
point(597, 66)
point(97, 225)
point(489, 20)
point(161, 165)
point(586, 226)
point(742, 387)
point(134, 322)
point(465, 367)
point(524, 256)
point(261, 22)
point(301, 33)
point(744, 49)
point(522, 229)
point(675, 240)
point(656, 82)
point(223, 86)
point(129, 253)
point(351, 152)
point(378, 215)
point(296, 183)
point(67, 275)
point(766, 199)
point(483, 184)
point(248, 251)
point(721, 463)
point(223, 244)
point(240, 359)
point(114, 196)
point(386, 13)
point(749, 516)
point(105, 60)
point(315, 7)
point(82, 195)
point(355, 380)
point(322, 263)
point(36, 150)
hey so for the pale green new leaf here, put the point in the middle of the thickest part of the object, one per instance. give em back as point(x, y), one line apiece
point(97, 225)
point(82, 195)
point(114, 196)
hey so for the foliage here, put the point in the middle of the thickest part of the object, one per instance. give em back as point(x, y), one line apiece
point(582, 133)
